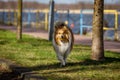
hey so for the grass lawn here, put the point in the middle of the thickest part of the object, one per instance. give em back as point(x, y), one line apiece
point(38, 56)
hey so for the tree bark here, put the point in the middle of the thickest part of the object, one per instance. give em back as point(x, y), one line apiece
point(97, 33)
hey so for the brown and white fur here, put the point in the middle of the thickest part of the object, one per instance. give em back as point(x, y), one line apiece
point(62, 41)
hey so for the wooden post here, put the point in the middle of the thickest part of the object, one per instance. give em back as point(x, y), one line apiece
point(51, 19)
point(19, 22)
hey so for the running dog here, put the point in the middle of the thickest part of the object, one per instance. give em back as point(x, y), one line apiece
point(62, 41)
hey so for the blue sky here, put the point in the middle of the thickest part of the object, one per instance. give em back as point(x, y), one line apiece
point(74, 1)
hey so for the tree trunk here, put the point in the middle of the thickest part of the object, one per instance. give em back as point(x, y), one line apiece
point(19, 21)
point(97, 33)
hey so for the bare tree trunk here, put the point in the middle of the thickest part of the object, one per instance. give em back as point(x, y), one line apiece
point(97, 34)
point(19, 21)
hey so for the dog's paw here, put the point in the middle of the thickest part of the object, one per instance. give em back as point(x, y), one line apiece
point(62, 65)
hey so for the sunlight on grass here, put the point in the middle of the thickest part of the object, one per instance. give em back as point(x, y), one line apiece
point(38, 55)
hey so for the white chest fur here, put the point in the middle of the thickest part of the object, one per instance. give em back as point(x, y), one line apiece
point(63, 47)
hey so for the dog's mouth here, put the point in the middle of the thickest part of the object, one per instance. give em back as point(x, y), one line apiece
point(64, 40)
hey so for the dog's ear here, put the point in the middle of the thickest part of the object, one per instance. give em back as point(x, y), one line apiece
point(55, 27)
point(59, 24)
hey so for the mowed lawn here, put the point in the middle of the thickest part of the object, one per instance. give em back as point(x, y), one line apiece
point(38, 55)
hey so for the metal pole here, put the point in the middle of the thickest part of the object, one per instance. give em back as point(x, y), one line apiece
point(51, 19)
point(116, 25)
point(3, 17)
point(37, 18)
point(29, 17)
point(19, 22)
point(46, 19)
point(81, 22)
point(68, 17)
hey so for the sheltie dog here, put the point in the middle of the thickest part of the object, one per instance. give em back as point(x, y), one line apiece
point(62, 41)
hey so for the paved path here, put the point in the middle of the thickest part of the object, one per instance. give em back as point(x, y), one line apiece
point(108, 45)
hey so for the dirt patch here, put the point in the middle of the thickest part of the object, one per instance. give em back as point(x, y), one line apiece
point(6, 72)
point(11, 71)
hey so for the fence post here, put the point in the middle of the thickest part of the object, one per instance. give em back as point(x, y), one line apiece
point(46, 19)
point(68, 17)
point(29, 17)
point(9, 17)
point(81, 22)
point(3, 16)
point(116, 25)
point(37, 18)
point(15, 15)
point(51, 19)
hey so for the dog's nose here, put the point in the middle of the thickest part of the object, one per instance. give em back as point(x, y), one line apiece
point(62, 36)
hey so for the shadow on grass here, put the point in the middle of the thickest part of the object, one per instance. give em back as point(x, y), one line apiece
point(93, 62)
point(3, 30)
point(86, 62)
point(117, 53)
point(3, 42)
point(25, 71)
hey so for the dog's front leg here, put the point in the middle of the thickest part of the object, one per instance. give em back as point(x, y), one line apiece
point(66, 55)
point(61, 59)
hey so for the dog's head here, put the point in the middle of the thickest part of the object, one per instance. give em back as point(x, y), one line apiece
point(62, 33)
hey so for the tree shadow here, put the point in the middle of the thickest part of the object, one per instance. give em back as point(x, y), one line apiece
point(25, 71)
point(95, 65)
point(94, 62)
point(3, 42)
point(87, 62)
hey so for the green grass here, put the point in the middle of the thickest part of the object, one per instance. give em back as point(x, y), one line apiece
point(38, 56)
